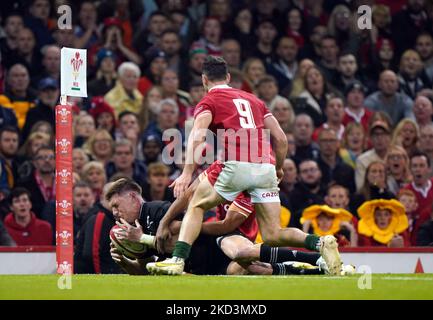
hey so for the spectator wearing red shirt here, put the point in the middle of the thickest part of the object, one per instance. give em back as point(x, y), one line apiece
point(22, 224)
point(422, 187)
point(355, 110)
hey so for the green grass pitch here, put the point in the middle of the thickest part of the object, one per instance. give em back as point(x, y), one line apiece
point(403, 286)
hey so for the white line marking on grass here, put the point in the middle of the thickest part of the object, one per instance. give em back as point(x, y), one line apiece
point(405, 278)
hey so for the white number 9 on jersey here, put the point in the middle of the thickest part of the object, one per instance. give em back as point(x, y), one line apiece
point(246, 118)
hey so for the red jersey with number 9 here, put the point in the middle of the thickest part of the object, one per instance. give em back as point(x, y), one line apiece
point(238, 122)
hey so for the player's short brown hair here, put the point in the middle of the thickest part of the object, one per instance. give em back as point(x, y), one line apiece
point(215, 68)
point(120, 186)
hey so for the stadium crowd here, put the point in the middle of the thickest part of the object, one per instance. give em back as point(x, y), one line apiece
point(356, 106)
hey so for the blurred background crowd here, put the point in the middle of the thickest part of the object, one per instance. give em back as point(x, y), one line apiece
point(356, 107)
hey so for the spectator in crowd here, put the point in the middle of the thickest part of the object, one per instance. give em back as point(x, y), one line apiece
point(100, 146)
point(328, 57)
point(383, 58)
point(267, 89)
point(103, 114)
point(171, 45)
point(295, 26)
point(13, 23)
point(374, 186)
point(426, 142)
point(48, 96)
point(411, 76)
point(243, 26)
point(83, 199)
point(423, 111)
point(149, 37)
point(288, 182)
point(211, 36)
point(150, 103)
point(355, 110)
point(330, 163)
point(65, 38)
point(7, 117)
point(425, 233)
point(421, 186)
point(105, 78)
point(424, 47)
point(407, 24)
point(342, 28)
point(196, 92)
point(314, 96)
point(308, 190)
point(312, 48)
point(303, 132)
point(22, 223)
point(170, 89)
point(158, 181)
point(84, 128)
point(124, 163)
point(383, 223)
point(388, 99)
point(86, 31)
point(323, 220)
point(334, 112)
point(9, 142)
point(406, 135)
point(40, 22)
point(152, 148)
point(41, 180)
point(79, 159)
point(408, 200)
point(26, 53)
point(182, 23)
point(27, 152)
point(92, 250)
point(398, 172)
point(129, 128)
point(158, 63)
point(112, 39)
point(253, 70)
point(93, 173)
point(231, 52)
point(282, 110)
point(291, 145)
point(168, 118)
point(298, 83)
point(285, 66)
point(266, 33)
point(347, 68)
point(18, 95)
point(50, 64)
point(125, 95)
point(382, 18)
point(352, 143)
point(197, 56)
point(5, 239)
point(380, 135)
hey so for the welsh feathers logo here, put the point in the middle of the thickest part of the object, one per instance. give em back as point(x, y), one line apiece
point(64, 174)
point(64, 237)
point(63, 144)
point(63, 206)
point(63, 113)
point(76, 63)
point(64, 267)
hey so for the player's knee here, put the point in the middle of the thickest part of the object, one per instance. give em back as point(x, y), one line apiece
point(243, 255)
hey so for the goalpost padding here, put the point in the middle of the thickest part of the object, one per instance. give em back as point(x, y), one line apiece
point(64, 202)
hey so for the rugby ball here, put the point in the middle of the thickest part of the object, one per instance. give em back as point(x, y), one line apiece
point(132, 250)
